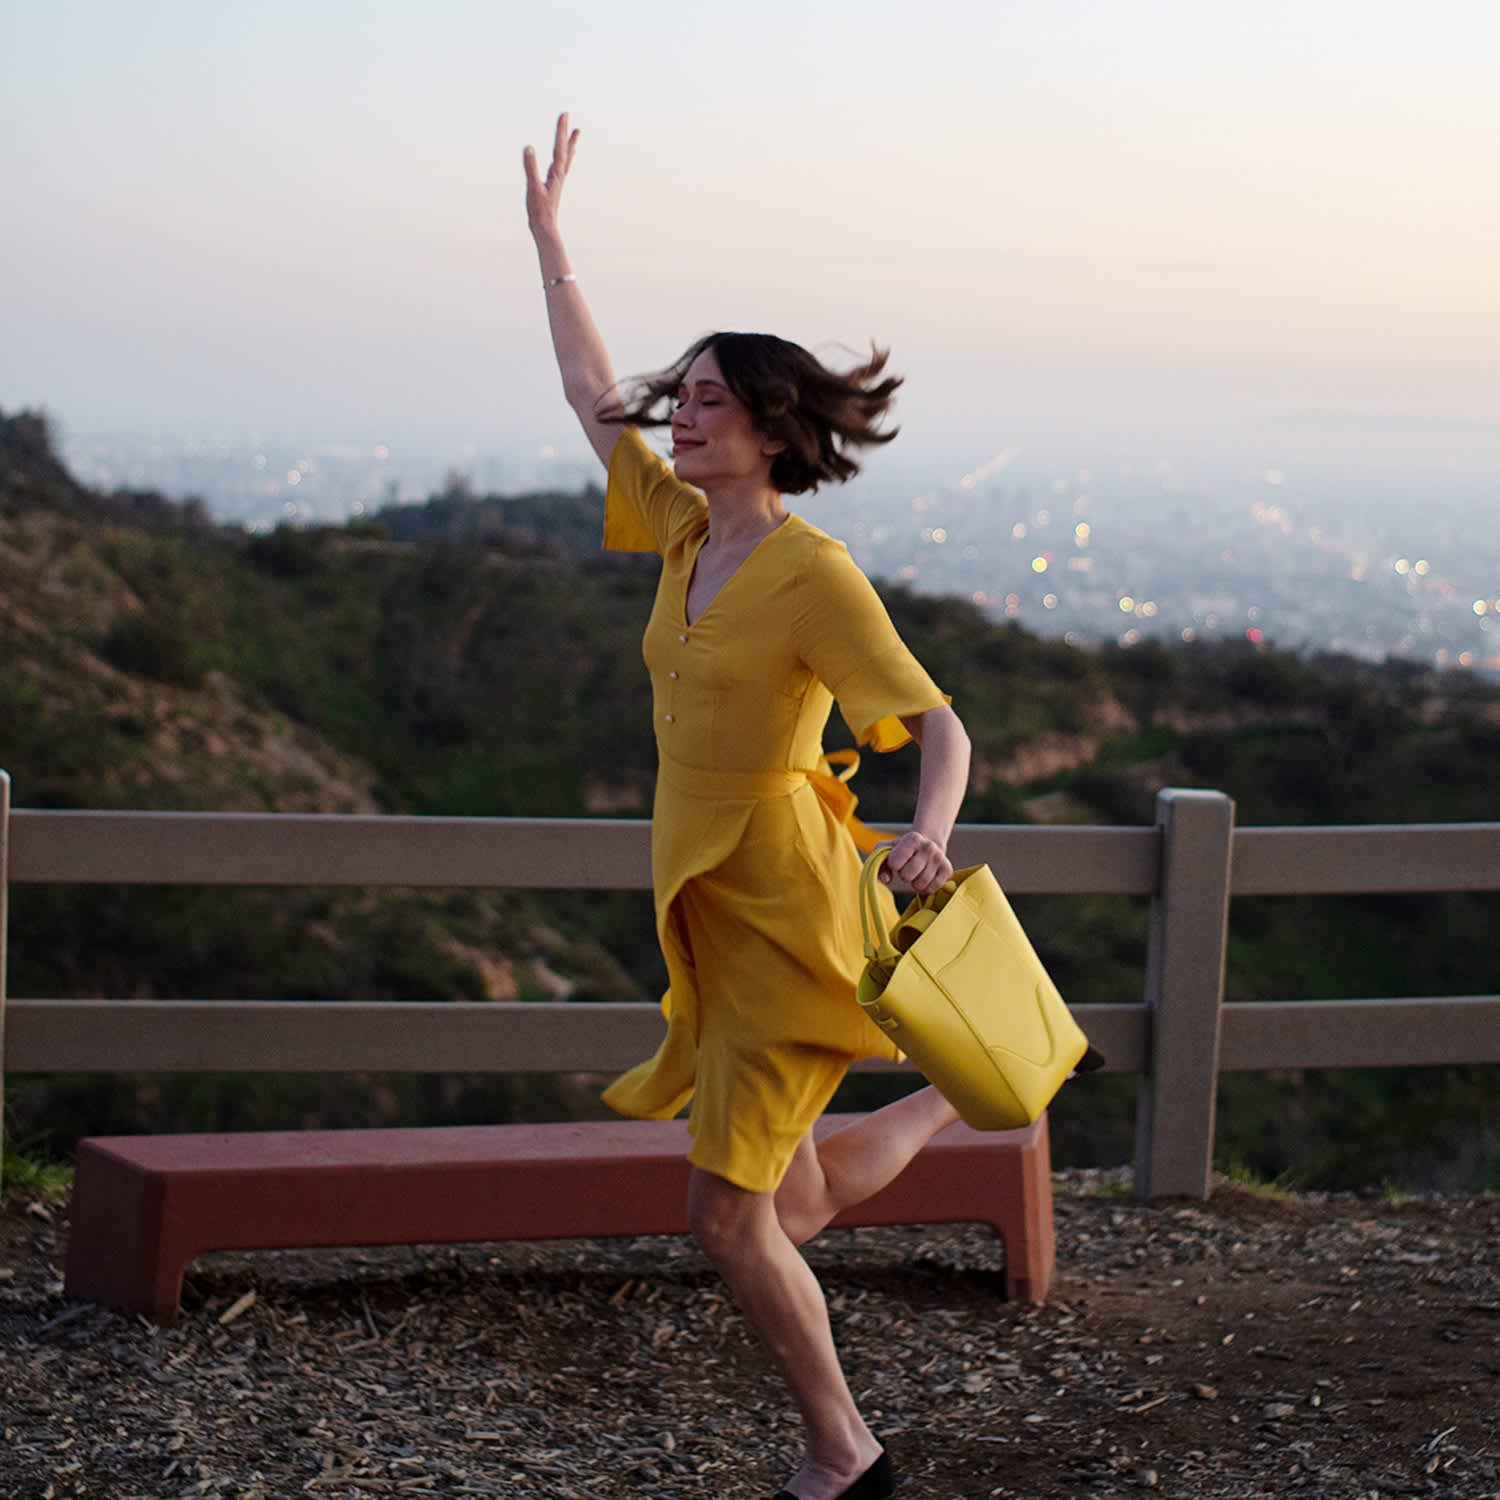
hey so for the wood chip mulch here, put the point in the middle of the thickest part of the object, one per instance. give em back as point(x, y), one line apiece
point(1327, 1346)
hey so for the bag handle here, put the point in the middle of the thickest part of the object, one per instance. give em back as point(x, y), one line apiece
point(868, 910)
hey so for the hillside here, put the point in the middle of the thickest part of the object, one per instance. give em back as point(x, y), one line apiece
point(149, 658)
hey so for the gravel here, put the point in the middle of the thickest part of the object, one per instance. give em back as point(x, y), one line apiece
point(1328, 1345)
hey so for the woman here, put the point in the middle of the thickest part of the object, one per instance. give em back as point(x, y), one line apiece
point(761, 620)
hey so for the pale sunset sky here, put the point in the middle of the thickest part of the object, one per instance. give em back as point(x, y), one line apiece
point(1169, 223)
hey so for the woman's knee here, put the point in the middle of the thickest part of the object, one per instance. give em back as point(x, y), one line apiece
point(722, 1218)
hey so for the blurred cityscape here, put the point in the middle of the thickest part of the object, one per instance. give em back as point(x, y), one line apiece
point(1123, 551)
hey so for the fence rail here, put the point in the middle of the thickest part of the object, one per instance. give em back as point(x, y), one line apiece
point(1179, 1036)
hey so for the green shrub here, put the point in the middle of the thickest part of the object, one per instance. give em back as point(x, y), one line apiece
point(287, 552)
point(147, 645)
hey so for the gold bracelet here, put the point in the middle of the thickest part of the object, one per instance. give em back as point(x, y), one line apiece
point(557, 281)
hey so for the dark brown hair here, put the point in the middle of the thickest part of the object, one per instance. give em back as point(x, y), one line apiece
point(792, 398)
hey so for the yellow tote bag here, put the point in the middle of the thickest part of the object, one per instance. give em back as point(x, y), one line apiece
point(958, 987)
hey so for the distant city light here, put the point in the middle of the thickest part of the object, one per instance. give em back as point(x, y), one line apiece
point(1018, 531)
point(1049, 601)
point(381, 451)
point(984, 471)
point(1254, 635)
point(939, 535)
point(1481, 606)
point(1148, 609)
point(1189, 634)
point(1044, 518)
point(293, 477)
point(1127, 605)
point(1421, 566)
point(1081, 533)
point(1038, 564)
point(1403, 565)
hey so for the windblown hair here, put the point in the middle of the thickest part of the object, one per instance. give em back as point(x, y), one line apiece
point(792, 398)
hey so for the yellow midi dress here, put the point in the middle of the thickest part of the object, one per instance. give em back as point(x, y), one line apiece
point(755, 852)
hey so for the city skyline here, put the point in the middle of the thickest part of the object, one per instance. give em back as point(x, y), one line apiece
point(1113, 551)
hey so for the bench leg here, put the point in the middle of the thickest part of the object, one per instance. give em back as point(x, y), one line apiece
point(1024, 1219)
point(119, 1250)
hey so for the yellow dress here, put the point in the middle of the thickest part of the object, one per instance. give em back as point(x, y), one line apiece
point(755, 853)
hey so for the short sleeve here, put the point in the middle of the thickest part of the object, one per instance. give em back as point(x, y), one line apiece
point(845, 636)
point(645, 503)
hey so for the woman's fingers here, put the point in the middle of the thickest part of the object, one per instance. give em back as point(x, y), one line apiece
point(563, 146)
point(543, 196)
point(918, 862)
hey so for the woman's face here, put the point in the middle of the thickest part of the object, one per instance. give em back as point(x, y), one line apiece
point(713, 438)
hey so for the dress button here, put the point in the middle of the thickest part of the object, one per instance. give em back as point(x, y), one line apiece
point(682, 638)
point(669, 718)
point(671, 674)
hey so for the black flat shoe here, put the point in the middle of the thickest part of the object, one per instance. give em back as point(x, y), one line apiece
point(878, 1482)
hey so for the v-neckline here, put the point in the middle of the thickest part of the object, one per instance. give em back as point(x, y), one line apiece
point(744, 562)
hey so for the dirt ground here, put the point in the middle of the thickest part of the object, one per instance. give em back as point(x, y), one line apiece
point(1333, 1346)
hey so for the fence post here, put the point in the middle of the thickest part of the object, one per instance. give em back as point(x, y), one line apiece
point(4, 930)
point(1174, 1141)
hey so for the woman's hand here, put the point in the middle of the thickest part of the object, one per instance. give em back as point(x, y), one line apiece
point(920, 861)
point(542, 197)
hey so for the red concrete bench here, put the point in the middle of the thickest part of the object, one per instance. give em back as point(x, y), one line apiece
point(144, 1206)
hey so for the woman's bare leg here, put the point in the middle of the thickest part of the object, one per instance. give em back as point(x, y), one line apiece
point(784, 1306)
point(854, 1163)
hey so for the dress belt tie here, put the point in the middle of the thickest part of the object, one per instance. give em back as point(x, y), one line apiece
point(754, 785)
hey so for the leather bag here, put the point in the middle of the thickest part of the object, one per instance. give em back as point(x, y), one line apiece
point(958, 987)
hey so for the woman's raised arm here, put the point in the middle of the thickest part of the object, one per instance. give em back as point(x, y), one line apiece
point(588, 376)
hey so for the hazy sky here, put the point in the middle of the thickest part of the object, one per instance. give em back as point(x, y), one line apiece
point(1167, 222)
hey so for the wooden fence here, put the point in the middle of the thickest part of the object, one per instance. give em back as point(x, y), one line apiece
point(1179, 1035)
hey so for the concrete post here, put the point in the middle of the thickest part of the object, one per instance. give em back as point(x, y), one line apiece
point(1174, 1142)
